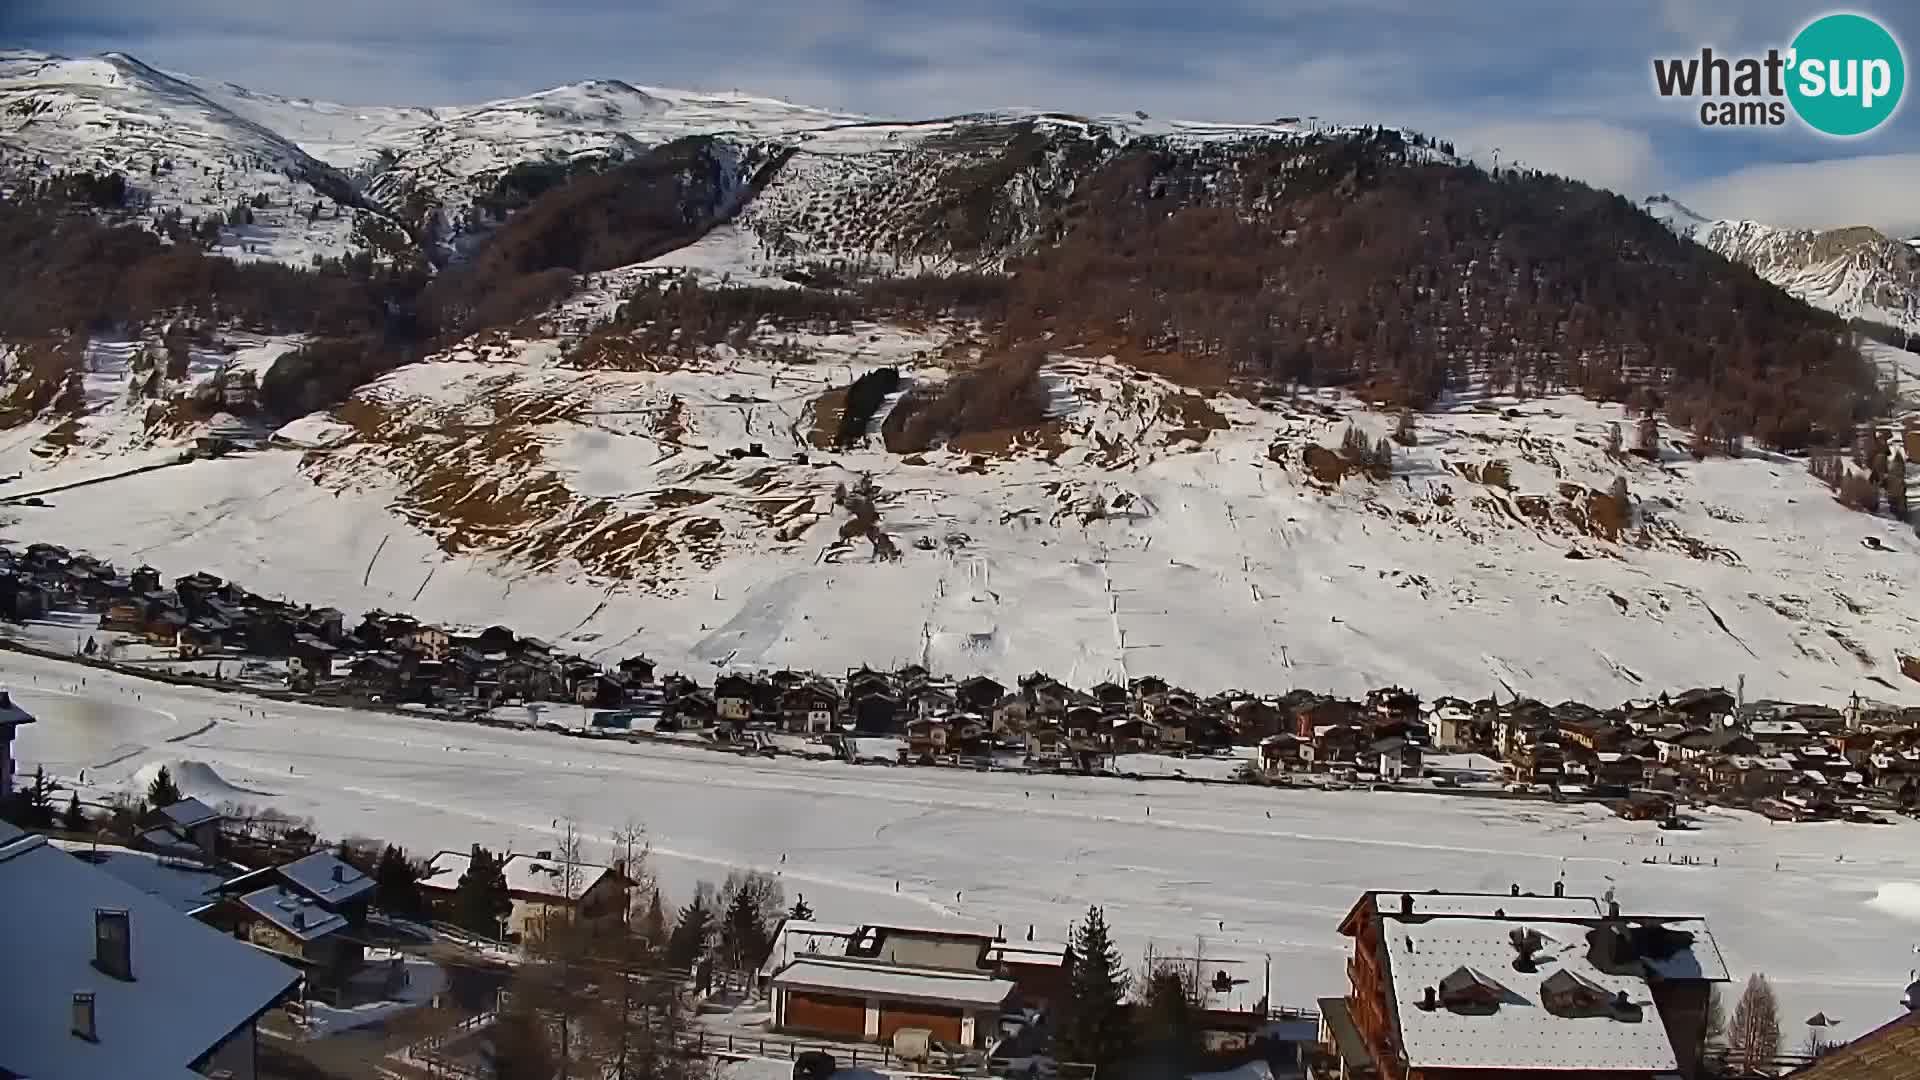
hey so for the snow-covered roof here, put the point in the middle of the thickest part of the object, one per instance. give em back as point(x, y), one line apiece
point(185, 886)
point(189, 812)
point(893, 983)
point(192, 986)
point(525, 873)
point(12, 715)
point(1699, 960)
point(296, 915)
point(801, 937)
point(1026, 952)
point(1487, 905)
point(1776, 728)
point(327, 878)
point(1520, 1032)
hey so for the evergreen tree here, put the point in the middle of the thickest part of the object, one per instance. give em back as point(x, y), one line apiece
point(480, 898)
point(1613, 438)
point(396, 884)
point(39, 800)
point(800, 912)
point(75, 819)
point(162, 791)
point(690, 933)
point(745, 938)
point(1403, 432)
point(1646, 438)
point(1094, 1027)
point(1169, 1027)
point(653, 927)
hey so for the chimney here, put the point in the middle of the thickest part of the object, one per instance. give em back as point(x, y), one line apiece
point(1406, 903)
point(339, 873)
point(1516, 888)
point(83, 1018)
point(300, 920)
point(1559, 888)
point(1613, 909)
point(1620, 1000)
point(1430, 1000)
point(113, 942)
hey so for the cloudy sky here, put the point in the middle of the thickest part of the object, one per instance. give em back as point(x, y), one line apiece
point(1554, 84)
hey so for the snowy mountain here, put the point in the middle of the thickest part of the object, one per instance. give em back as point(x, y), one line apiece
point(674, 470)
point(1856, 272)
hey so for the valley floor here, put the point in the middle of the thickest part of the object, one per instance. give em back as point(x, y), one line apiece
point(1829, 911)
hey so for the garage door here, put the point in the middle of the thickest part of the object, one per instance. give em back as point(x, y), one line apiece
point(826, 1014)
point(894, 1015)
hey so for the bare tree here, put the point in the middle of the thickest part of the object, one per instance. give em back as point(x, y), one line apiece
point(1753, 1034)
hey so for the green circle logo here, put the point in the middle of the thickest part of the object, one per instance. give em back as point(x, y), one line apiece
point(1847, 74)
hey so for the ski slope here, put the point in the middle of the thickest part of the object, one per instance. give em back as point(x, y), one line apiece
point(1243, 873)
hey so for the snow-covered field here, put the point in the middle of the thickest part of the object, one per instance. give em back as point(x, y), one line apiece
point(1245, 872)
point(601, 510)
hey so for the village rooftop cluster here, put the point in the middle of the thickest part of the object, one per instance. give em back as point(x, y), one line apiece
point(1790, 761)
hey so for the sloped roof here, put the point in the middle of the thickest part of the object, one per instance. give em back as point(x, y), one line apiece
point(192, 987)
point(12, 715)
point(890, 982)
point(330, 880)
point(526, 874)
point(1889, 1052)
point(296, 915)
point(189, 812)
point(1520, 1033)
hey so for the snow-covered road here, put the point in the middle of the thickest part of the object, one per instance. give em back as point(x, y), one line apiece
point(1250, 872)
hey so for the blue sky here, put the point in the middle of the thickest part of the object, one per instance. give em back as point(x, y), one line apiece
point(1564, 86)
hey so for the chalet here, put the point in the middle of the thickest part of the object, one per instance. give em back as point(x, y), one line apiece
point(695, 709)
point(294, 927)
point(1009, 714)
point(1538, 763)
point(1700, 706)
point(1046, 745)
point(1110, 695)
point(144, 579)
point(1454, 727)
point(188, 828)
point(105, 980)
point(1280, 753)
point(1618, 768)
point(929, 701)
point(1331, 744)
point(637, 670)
point(375, 674)
point(1751, 777)
point(539, 886)
point(1519, 986)
point(1322, 712)
point(978, 694)
point(1256, 719)
point(1394, 758)
point(1392, 702)
point(1773, 736)
point(876, 714)
point(1090, 718)
point(194, 589)
point(309, 661)
point(1131, 735)
point(810, 708)
point(12, 717)
point(866, 681)
point(1147, 686)
point(969, 734)
point(927, 737)
point(1592, 731)
point(1046, 696)
point(733, 698)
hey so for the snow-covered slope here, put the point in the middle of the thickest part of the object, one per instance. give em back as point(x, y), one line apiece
point(1147, 527)
point(1857, 272)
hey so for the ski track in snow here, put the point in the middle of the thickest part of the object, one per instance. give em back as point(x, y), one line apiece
point(875, 843)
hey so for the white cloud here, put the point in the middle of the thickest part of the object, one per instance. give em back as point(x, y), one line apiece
point(1602, 154)
point(1882, 190)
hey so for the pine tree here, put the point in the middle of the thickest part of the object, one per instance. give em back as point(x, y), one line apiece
point(74, 819)
point(690, 932)
point(752, 902)
point(654, 926)
point(800, 912)
point(1094, 1027)
point(1383, 457)
point(1403, 432)
point(39, 800)
point(162, 791)
point(1169, 1028)
point(1613, 438)
point(397, 884)
point(480, 899)
point(1753, 1033)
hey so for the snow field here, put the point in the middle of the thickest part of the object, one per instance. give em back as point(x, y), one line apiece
point(1241, 873)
